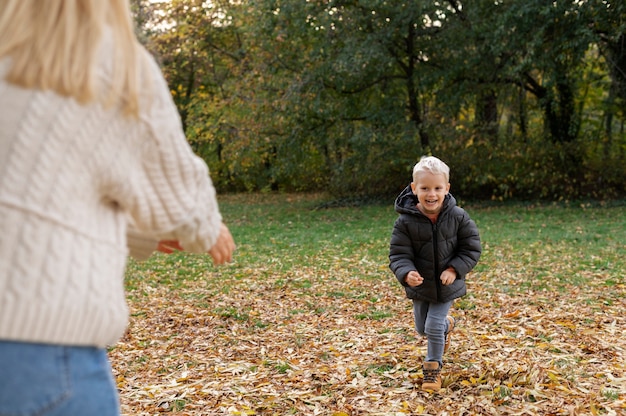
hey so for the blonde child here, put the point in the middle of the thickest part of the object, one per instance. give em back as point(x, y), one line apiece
point(434, 244)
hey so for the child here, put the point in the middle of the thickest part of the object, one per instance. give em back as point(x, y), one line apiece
point(434, 244)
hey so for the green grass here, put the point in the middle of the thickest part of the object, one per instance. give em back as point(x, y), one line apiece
point(266, 227)
point(309, 300)
point(555, 245)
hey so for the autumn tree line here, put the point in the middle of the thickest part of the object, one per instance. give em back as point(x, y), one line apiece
point(523, 99)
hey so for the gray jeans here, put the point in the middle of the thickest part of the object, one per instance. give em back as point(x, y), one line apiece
point(430, 320)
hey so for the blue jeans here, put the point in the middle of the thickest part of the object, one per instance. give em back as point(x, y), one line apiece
point(430, 320)
point(54, 380)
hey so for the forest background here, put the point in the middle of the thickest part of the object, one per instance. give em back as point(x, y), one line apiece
point(524, 99)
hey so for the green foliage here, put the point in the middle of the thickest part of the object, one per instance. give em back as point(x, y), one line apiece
point(522, 99)
point(533, 169)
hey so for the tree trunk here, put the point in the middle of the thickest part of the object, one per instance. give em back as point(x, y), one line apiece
point(415, 112)
point(487, 114)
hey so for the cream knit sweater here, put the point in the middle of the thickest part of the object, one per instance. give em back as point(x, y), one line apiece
point(72, 179)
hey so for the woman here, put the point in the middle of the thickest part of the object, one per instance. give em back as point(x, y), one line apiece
point(93, 161)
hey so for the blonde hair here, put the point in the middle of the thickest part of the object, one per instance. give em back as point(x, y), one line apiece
point(432, 165)
point(53, 45)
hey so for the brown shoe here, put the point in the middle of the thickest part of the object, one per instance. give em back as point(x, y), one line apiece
point(451, 324)
point(432, 376)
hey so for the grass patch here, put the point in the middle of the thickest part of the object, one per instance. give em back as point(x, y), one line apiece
point(299, 321)
point(532, 247)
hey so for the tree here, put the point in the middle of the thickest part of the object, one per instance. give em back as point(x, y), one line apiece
point(356, 75)
point(607, 20)
point(345, 95)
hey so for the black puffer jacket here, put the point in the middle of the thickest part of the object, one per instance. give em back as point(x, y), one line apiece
point(418, 244)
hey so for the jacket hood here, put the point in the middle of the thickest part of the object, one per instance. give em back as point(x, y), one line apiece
point(406, 202)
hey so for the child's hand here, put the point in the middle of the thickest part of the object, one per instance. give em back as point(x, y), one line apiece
point(448, 276)
point(413, 278)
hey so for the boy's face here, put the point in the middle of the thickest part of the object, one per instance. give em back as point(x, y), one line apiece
point(430, 191)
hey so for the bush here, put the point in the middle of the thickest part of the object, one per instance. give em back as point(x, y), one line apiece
point(537, 169)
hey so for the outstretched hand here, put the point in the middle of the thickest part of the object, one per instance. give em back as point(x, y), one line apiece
point(221, 252)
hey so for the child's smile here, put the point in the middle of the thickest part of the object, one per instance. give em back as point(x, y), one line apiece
point(431, 191)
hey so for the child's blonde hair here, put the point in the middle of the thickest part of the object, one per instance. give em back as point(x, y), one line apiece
point(432, 165)
point(53, 45)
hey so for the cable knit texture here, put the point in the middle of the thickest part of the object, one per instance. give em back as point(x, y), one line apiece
point(72, 178)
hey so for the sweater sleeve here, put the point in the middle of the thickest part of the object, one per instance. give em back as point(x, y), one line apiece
point(140, 246)
point(171, 193)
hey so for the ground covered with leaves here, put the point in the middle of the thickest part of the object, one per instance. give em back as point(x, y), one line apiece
point(325, 329)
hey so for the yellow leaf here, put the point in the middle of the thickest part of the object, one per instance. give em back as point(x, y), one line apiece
point(552, 376)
